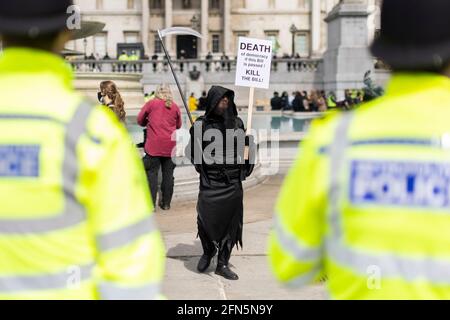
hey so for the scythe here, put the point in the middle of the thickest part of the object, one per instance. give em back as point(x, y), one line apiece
point(178, 31)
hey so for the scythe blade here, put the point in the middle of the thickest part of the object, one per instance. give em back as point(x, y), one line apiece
point(179, 31)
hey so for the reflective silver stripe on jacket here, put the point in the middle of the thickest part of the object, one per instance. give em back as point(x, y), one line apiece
point(74, 212)
point(126, 235)
point(60, 280)
point(337, 159)
point(114, 292)
point(305, 279)
point(294, 246)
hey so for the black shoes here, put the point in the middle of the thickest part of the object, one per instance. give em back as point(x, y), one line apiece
point(225, 272)
point(164, 207)
point(204, 262)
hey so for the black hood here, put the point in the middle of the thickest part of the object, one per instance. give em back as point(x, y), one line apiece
point(216, 94)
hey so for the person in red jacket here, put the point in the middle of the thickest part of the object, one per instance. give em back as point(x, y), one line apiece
point(162, 117)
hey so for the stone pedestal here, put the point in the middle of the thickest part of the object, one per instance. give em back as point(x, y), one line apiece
point(129, 85)
point(347, 57)
point(195, 86)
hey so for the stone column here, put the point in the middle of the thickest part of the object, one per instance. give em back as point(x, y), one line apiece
point(227, 27)
point(204, 28)
point(347, 57)
point(145, 25)
point(168, 19)
point(315, 27)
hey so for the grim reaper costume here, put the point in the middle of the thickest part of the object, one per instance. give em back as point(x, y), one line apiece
point(222, 170)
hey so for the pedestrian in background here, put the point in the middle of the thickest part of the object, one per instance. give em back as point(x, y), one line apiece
point(284, 101)
point(202, 102)
point(276, 103)
point(110, 97)
point(193, 103)
point(162, 117)
point(297, 104)
point(124, 58)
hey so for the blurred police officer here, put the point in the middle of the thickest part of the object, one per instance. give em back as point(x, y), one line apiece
point(368, 201)
point(76, 216)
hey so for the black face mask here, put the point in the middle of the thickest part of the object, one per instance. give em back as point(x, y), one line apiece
point(100, 98)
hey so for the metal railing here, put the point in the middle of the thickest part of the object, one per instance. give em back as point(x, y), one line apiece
point(188, 65)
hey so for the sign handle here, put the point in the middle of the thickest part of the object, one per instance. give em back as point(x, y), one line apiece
point(249, 118)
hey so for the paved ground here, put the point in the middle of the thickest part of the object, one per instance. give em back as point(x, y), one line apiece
point(183, 282)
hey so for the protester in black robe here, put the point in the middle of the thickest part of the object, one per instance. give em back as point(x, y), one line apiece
point(220, 202)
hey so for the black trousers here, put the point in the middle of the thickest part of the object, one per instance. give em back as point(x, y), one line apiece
point(225, 247)
point(152, 166)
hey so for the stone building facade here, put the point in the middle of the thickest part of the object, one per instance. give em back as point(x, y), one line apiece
point(221, 22)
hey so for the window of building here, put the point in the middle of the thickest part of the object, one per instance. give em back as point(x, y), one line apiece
point(99, 4)
point(216, 43)
point(100, 44)
point(156, 4)
point(131, 37)
point(271, 4)
point(131, 4)
point(186, 4)
point(273, 36)
point(157, 44)
point(302, 44)
point(214, 4)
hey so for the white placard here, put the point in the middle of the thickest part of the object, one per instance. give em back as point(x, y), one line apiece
point(254, 62)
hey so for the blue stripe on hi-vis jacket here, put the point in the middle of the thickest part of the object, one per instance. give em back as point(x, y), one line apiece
point(19, 160)
point(405, 184)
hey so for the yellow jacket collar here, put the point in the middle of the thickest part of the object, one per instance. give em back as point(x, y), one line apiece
point(27, 60)
point(403, 83)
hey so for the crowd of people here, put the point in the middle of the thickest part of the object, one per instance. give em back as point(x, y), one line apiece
point(315, 101)
point(97, 63)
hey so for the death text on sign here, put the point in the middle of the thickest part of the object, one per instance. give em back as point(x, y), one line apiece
point(256, 47)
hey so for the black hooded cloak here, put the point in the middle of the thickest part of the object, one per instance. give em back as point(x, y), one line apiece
point(220, 202)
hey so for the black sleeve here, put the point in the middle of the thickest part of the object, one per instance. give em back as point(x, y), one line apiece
point(253, 148)
point(249, 142)
point(190, 148)
point(240, 123)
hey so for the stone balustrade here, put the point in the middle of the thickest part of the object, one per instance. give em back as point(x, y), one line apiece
point(186, 66)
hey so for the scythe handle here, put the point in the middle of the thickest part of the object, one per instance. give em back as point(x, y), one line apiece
point(176, 80)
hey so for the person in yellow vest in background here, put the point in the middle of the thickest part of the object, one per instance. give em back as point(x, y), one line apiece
point(367, 202)
point(123, 57)
point(134, 57)
point(331, 101)
point(193, 103)
point(149, 97)
point(76, 217)
point(354, 96)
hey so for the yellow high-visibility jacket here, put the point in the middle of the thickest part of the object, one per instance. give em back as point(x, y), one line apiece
point(368, 201)
point(124, 57)
point(331, 103)
point(76, 217)
point(133, 57)
point(193, 104)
